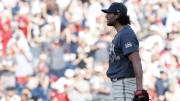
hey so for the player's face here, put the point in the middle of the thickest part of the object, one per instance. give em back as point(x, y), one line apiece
point(111, 19)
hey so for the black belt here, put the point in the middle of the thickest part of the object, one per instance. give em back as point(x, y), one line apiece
point(120, 78)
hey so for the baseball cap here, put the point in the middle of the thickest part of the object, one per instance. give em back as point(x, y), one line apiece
point(116, 7)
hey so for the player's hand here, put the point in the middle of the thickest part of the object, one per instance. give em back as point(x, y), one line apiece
point(141, 95)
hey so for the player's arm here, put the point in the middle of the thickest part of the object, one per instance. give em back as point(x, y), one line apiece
point(136, 61)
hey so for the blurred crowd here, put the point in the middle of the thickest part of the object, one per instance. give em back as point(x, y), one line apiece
point(57, 50)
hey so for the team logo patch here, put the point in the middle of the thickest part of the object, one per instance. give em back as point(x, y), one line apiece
point(128, 44)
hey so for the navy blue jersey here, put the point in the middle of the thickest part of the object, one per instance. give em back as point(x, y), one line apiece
point(124, 43)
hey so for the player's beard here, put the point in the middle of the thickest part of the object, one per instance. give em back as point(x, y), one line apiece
point(111, 22)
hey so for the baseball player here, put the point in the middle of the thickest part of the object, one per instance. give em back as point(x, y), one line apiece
point(125, 70)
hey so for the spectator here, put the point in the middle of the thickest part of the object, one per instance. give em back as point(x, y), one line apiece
point(23, 18)
point(101, 87)
point(59, 90)
point(24, 97)
point(25, 94)
point(41, 65)
point(162, 86)
point(9, 66)
point(101, 47)
point(80, 88)
point(56, 59)
point(11, 95)
point(5, 28)
point(23, 58)
point(172, 93)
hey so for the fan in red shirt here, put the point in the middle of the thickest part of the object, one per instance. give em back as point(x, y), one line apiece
point(55, 96)
point(23, 24)
point(5, 32)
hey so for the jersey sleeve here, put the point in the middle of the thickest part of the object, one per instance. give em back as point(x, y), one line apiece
point(129, 43)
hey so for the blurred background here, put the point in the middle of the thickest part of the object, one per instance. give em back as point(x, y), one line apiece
point(57, 50)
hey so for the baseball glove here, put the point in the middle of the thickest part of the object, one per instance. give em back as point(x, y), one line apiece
point(141, 95)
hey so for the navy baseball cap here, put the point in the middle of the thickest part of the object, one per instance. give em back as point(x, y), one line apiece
point(116, 7)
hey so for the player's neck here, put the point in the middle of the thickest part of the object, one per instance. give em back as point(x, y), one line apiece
point(119, 27)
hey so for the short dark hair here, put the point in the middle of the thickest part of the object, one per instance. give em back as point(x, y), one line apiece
point(124, 19)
